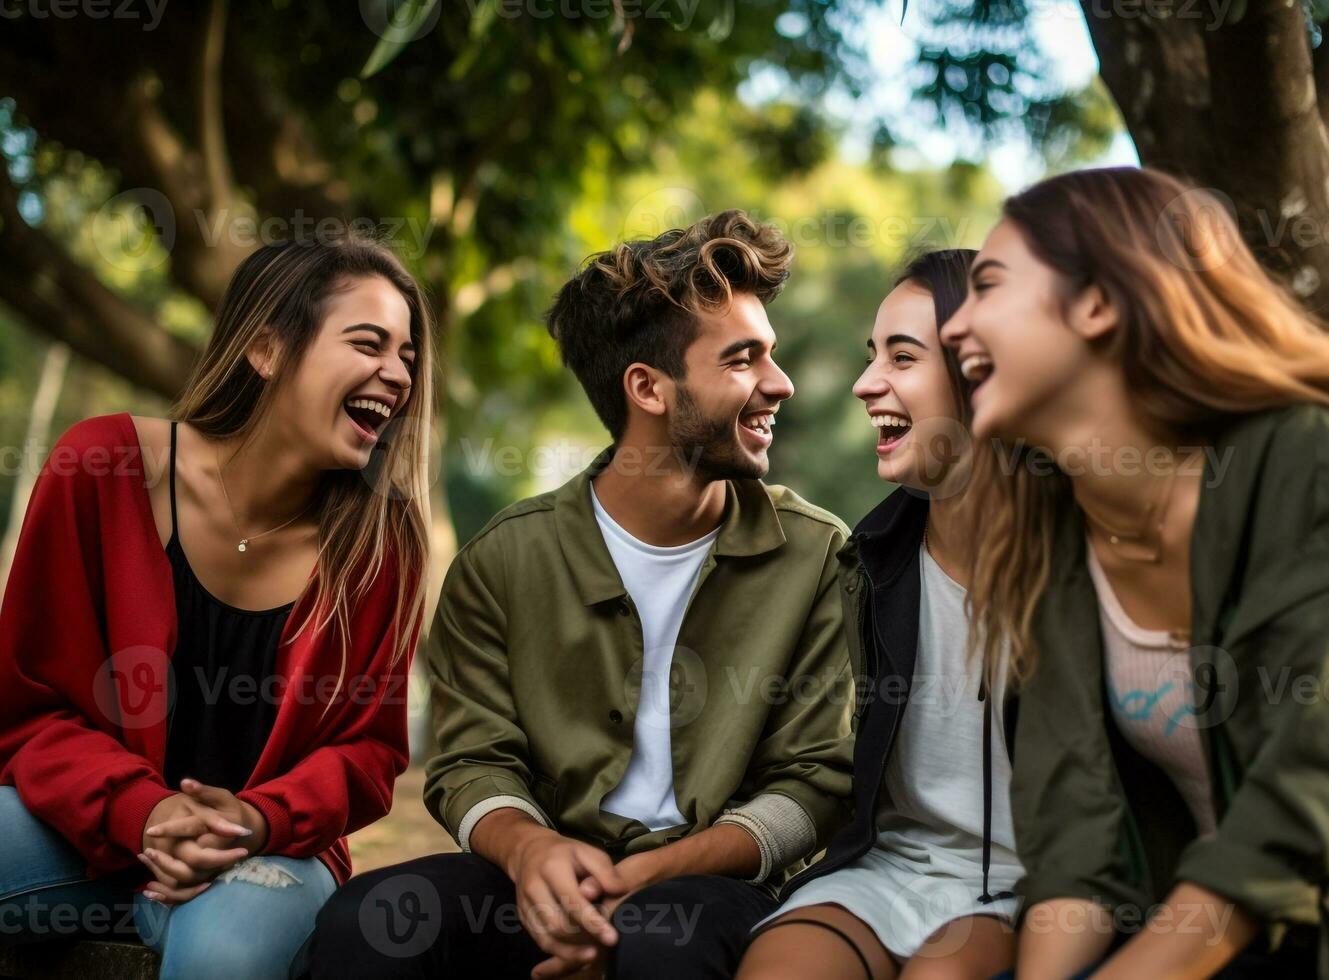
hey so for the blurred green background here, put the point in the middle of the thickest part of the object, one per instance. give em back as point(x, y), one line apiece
point(149, 145)
point(495, 144)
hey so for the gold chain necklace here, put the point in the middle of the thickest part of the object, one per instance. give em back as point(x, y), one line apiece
point(1117, 536)
point(244, 541)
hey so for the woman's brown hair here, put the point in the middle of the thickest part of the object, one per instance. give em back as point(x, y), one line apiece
point(944, 273)
point(1203, 335)
point(364, 515)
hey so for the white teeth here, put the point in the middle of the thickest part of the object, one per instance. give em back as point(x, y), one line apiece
point(976, 367)
point(761, 423)
point(370, 403)
point(889, 422)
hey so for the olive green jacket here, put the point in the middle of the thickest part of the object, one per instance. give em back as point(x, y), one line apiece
point(1093, 819)
point(532, 654)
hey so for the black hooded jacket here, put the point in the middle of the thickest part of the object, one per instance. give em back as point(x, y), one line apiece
point(882, 593)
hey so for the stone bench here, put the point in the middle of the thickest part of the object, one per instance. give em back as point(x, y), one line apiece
point(79, 959)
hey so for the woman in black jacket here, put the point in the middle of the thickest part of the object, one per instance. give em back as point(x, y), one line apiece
point(920, 880)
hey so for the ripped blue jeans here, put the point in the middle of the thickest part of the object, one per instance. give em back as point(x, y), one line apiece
point(250, 923)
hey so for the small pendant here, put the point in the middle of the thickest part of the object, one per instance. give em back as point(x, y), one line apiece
point(244, 544)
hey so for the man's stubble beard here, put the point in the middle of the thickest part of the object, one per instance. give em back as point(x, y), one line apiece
point(710, 446)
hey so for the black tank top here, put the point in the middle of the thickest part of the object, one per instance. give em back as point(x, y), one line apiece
point(224, 674)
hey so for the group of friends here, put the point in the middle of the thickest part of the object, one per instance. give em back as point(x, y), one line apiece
point(1055, 707)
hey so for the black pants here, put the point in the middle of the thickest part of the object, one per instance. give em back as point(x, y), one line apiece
point(455, 915)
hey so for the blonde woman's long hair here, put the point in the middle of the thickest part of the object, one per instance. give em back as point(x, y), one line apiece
point(1204, 335)
point(364, 515)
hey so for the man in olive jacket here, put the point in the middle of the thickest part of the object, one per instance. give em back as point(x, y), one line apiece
point(641, 684)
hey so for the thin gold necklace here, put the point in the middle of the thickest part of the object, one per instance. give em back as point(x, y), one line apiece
point(244, 541)
point(1117, 536)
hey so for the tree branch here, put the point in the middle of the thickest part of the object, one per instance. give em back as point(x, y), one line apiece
point(63, 300)
point(212, 137)
point(204, 255)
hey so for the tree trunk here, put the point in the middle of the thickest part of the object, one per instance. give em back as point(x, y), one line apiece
point(38, 438)
point(1231, 105)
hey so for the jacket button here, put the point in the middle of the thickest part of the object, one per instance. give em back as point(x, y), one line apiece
point(623, 609)
point(616, 716)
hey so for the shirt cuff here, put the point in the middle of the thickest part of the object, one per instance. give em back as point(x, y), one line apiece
point(276, 815)
point(488, 806)
point(781, 827)
point(128, 809)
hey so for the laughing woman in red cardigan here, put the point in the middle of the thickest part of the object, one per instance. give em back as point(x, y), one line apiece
point(191, 720)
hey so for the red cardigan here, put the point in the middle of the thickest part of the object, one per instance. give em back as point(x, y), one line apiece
point(86, 632)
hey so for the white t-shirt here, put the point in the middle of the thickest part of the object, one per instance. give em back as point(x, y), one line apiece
point(927, 866)
point(932, 809)
point(660, 581)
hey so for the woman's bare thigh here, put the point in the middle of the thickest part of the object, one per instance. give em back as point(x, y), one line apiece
point(975, 946)
point(797, 949)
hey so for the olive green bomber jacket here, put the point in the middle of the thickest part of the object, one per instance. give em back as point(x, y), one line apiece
point(531, 659)
point(1093, 819)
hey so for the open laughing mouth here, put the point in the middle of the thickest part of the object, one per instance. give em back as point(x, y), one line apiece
point(368, 416)
point(976, 368)
point(892, 427)
point(757, 425)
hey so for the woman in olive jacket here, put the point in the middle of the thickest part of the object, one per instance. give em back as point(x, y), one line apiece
point(1161, 576)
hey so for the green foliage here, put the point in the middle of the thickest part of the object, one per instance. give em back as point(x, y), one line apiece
point(851, 224)
point(506, 146)
point(981, 72)
point(401, 27)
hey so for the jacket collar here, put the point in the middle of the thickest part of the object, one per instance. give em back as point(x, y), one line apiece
point(888, 538)
point(750, 526)
point(886, 543)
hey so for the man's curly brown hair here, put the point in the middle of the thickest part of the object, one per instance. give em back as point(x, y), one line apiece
point(640, 301)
